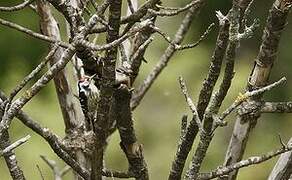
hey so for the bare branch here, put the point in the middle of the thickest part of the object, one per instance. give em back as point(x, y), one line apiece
point(58, 174)
point(206, 138)
point(40, 171)
point(243, 97)
point(215, 66)
point(14, 145)
point(205, 94)
point(283, 167)
point(246, 120)
point(32, 33)
point(176, 11)
point(116, 174)
point(276, 107)
point(52, 139)
point(129, 143)
point(118, 41)
point(137, 58)
point(71, 112)
point(180, 34)
point(30, 93)
point(135, 17)
point(17, 7)
point(220, 171)
point(191, 104)
point(9, 156)
point(106, 89)
point(32, 74)
point(130, 7)
point(202, 38)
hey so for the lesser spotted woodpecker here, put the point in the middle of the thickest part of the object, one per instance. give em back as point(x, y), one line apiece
point(89, 96)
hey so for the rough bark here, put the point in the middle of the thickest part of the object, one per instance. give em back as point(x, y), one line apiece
point(283, 168)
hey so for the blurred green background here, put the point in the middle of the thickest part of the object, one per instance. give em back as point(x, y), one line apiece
point(157, 119)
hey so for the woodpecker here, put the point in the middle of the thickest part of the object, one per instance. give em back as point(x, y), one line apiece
point(89, 96)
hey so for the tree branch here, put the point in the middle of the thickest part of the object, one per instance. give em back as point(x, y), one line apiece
point(283, 167)
point(129, 144)
point(32, 33)
point(14, 145)
point(179, 36)
point(58, 174)
point(72, 115)
point(30, 93)
point(176, 11)
point(276, 107)
point(53, 140)
point(32, 74)
point(106, 90)
point(220, 171)
point(17, 7)
point(259, 77)
point(206, 91)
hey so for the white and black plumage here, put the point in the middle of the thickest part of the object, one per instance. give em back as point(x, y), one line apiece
point(89, 96)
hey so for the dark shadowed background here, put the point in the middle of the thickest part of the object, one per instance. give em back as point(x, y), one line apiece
point(157, 119)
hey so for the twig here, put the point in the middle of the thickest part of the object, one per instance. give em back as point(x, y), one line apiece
point(58, 174)
point(191, 104)
point(32, 74)
point(186, 144)
point(52, 139)
point(175, 11)
point(33, 8)
point(101, 21)
point(141, 49)
point(16, 172)
point(142, 10)
point(243, 97)
point(276, 107)
point(182, 47)
point(205, 139)
point(30, 93)
point(247, 13)
point(15, 145)
point(32, 33)
point(259, 76)
point(40, 171)
point(202, 38)
point(118, 41)
point(215, 66)
point(163, 34)
point(220, 171)
point(130, 6)
point(168, 53)
point(17, 7)
point(116, 174)
point(283, 167)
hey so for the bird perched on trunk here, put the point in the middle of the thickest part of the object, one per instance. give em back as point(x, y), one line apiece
point(89, 96)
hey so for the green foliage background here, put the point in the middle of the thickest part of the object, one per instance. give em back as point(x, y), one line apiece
point(157, 119)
